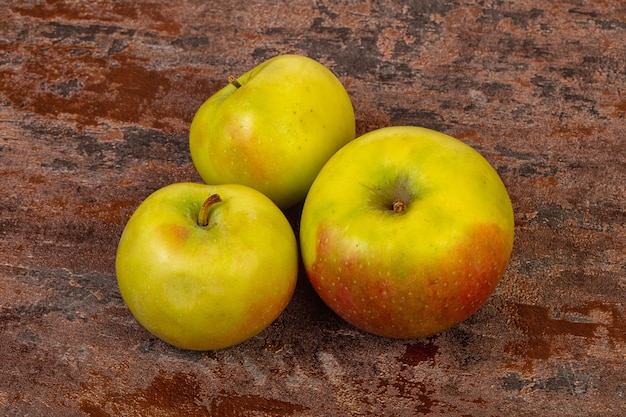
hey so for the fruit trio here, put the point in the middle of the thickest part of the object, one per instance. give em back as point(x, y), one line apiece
point(404, 233)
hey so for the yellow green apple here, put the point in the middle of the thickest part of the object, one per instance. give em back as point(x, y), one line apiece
point(406, 232)
point(273, 128)
point(206, 267)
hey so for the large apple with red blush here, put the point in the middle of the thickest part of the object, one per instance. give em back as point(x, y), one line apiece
point(406, 232)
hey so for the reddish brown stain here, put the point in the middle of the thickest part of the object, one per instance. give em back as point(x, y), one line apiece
point(470, 136)
point(122, 90)
point(123, 93)
point(139, 12)
point(620, 109)
point(92, 410)
point(180, 395)
point(37, 179)
point(580, 131)
point(537, 326)
point(541, 329)
point(417, 353)
point(110, 212)
point(615, 326)
point(177, 394)
point(234, 405)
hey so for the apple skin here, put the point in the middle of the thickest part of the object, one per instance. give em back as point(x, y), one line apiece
point(423, 269)
point(206, 288)
point(276, 131)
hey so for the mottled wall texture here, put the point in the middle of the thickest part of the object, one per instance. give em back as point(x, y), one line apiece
point(96, 99)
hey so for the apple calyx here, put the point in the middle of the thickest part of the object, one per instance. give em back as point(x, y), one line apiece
point(394, 196)
point(398, 206)
point(232, 80)
point(203, 214)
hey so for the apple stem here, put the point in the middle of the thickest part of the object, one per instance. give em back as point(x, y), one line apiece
point(398, 206)
point(234, 81)
point(203, 215)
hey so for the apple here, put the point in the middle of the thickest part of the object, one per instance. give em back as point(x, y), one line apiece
point(406, 232)
point(206, 267)
point(273, 128)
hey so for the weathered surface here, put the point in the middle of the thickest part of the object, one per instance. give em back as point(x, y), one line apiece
point(96, 100)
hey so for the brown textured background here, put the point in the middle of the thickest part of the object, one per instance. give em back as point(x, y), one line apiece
point(96, 100)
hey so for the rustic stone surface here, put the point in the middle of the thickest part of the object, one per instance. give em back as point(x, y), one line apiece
point(96, 100)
